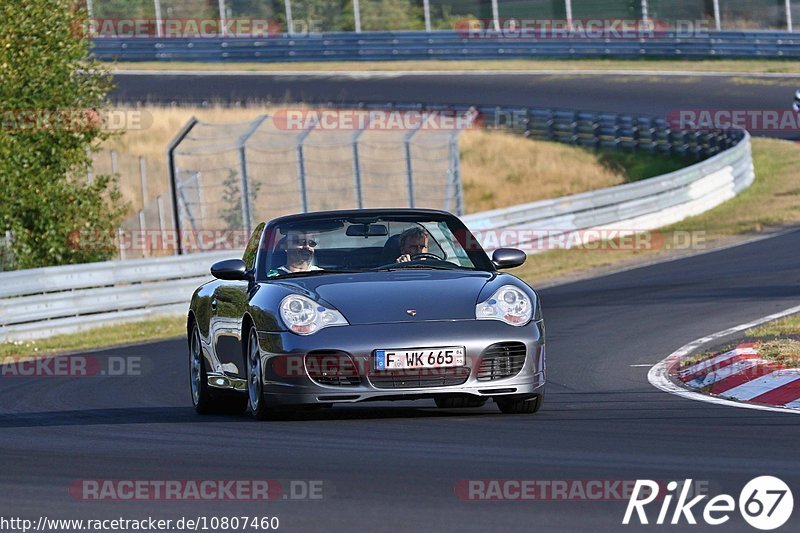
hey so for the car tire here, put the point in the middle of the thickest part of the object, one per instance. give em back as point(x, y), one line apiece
point(459, 402)
point(202, 399)
point(520, 406)
point(255, 384)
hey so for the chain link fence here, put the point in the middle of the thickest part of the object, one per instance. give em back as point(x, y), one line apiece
point(316, 16)
point(226, 178)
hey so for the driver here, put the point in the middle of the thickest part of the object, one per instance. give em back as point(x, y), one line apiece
point(299, 246)
point(412, 241)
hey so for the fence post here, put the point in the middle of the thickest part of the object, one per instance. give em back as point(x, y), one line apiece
point(89, 10)
point(114, 162)
point(455, 166)
point(495, 16)
point(289, 19)
point(159, 20)
point(89, 173)
point(568, 7)
point(789, 25)
point(142, 223)
point(173, 185)
point(426, 8)
point(301, 164)
point(143, 179)
point(357, 15)
point(162, 222)
point(222, 19)
point(717, 18)
point(247, 217)
point(645, 11)
point(357, 166)
point(121, 238)
point(409, 165)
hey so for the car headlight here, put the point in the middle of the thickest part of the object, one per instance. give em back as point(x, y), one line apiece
point(508, 304)
point(304, 316)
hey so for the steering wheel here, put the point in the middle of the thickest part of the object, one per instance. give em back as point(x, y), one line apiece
point(425, 255)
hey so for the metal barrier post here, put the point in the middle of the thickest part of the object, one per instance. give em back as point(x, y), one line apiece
point(426, 8)
point(89, 10)
point(645, 11)
point(717, 18)
point(455, 165)
point(789, 16)
point(114, 162)
point(357, 167)
point(568, 7)
point(143, 179)
point(495, 16)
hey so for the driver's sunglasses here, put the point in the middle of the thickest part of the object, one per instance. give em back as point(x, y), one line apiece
point(311, 243)
point(416, 246)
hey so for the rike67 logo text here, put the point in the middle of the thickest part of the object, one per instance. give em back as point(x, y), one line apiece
point(765, 503)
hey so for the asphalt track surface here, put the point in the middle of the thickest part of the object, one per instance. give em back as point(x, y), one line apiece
point(634, 94)
point(394, 466)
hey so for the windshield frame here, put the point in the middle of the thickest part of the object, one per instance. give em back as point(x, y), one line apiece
point(462, 235)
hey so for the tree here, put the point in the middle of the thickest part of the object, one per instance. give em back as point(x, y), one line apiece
point(53, 99)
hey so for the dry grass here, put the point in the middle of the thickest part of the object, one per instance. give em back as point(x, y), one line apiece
point(772, 201)
point(784, 352)
point(501, 169)
point(718, 65)
point(498, 168)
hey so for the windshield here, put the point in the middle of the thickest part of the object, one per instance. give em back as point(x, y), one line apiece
point(369, 244)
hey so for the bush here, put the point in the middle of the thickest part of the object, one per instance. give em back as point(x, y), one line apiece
point(52, 103)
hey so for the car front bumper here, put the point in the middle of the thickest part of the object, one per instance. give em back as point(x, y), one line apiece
point(286, 381)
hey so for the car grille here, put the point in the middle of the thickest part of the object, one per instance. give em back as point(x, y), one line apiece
point(411, 379)
point(332, 368)
point(501, 360)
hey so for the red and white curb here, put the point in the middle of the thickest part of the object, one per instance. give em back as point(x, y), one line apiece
point(737, 378)
point(740, 374)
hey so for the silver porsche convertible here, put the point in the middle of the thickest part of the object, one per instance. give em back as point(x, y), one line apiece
point(374, 304)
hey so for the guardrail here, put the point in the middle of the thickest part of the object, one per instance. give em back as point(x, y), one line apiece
point(629, 208)
point(47, 301)
point(446, 45)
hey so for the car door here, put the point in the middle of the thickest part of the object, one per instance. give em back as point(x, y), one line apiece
point(228, 307)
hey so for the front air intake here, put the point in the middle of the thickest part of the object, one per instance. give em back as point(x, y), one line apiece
point(501, 360)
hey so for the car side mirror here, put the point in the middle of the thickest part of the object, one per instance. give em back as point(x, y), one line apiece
point(508, 258)
point(230, 269)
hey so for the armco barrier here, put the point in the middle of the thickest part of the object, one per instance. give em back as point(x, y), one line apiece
point(450, 45)
point(46, 301)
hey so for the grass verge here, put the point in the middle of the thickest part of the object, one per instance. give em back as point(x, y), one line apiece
point(773, 201)
point(718, 65)
point(778, 342)
point(102, 337)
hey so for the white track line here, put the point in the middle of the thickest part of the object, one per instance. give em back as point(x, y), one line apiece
point(658, 376)
point(397, 73)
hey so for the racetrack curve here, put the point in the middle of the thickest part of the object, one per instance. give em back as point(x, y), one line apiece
point(634, 94)
point(394, 466)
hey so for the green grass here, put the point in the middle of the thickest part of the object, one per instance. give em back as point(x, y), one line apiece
point(785, 326)
point(106, 336)
point(715, 65)
point(641, 166)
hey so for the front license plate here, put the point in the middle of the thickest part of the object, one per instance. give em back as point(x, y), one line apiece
point(420, 358)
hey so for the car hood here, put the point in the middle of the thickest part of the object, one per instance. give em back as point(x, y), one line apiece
point(386, 297)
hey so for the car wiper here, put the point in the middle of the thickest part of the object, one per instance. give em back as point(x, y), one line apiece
point(403, 266)
point(288, 275)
